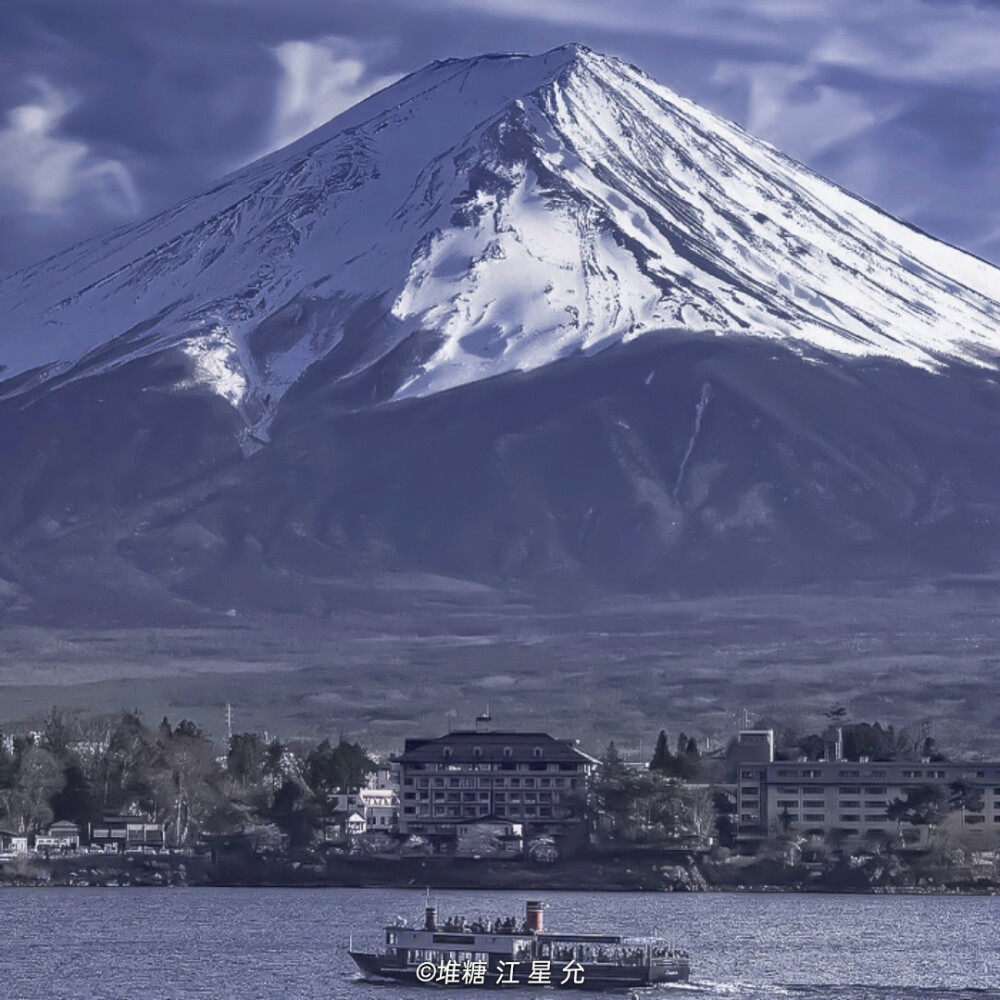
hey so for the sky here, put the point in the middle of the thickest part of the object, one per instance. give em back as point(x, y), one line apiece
point(111, 110)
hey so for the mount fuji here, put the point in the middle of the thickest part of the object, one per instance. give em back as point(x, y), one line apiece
point(512, 319)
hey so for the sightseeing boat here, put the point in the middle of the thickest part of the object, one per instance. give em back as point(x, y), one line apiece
point(511, 952)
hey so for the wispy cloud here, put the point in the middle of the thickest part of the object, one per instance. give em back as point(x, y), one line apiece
point(320, 79)
point(789, 107)
point(43, 171)
point(958, 48)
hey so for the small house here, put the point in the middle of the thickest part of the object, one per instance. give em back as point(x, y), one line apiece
point(127, 833)
point(61, 836)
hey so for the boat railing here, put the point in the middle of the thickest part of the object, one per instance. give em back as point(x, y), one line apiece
point(462, 925)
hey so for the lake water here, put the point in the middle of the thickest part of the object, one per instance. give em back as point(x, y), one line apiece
point(255, 944)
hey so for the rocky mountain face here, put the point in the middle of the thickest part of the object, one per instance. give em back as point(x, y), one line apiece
point(522, 320)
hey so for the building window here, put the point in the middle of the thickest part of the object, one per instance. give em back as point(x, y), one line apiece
point(446, 751)
point(849, 818)
point(537, 752)
point(508, 751)
point(814, 817)
point(850, 774)
point(477, 751)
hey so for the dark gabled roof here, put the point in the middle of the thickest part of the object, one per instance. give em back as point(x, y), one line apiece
point(491, 746)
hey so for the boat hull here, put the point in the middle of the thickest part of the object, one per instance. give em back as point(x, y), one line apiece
point(604, 977)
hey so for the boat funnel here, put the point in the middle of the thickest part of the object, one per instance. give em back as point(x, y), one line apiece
point(533, 915)
point(430, 918)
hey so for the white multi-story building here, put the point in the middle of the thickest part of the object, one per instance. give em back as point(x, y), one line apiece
point(849, 799)
point(380, 808)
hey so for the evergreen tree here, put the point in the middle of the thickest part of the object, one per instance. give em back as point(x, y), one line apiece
point(663, 759)
point(836, 713)
point(73, 800)
point(296, 813)
point(340, 768)
point(689, 762)
point(245, 760)
point(924, 805)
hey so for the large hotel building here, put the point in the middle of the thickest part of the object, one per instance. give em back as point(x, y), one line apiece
point(524, 778)
point(819, 798)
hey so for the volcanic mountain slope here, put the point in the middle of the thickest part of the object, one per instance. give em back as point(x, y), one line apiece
point(717, 368)
point(496, 214)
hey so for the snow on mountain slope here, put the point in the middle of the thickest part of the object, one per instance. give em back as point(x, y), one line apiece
point(498, 213)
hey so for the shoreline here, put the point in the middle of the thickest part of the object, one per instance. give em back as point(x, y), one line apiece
point(601, 874)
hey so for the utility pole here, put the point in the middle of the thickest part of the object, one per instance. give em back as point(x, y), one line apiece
point(229, 723)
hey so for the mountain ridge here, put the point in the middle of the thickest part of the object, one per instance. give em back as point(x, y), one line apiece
point(561, 215)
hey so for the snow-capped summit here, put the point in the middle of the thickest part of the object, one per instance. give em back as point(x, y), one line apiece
point(491, 214)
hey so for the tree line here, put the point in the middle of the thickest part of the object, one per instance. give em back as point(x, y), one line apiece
point(78, 766)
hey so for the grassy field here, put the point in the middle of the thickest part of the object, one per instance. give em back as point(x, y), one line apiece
point(412, 656)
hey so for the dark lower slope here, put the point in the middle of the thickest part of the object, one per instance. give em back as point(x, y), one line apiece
point(678, 466)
